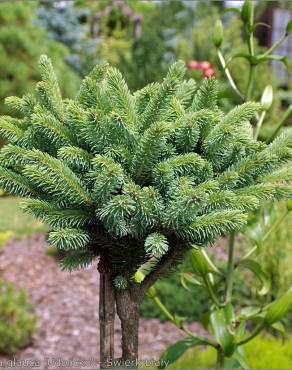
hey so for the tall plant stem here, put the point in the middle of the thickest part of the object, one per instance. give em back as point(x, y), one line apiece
point(275, 225)
point(250, 43)
point(180, 326)
point(268, 233)
point(280, 124)
point(211, 292)
point(259, 124)
point(228, 75)
point(256, 331)
point(163, 309)
point(230, 268)
point(107, 314)
point(276, 44)
point(220, 359)
point(250, 82)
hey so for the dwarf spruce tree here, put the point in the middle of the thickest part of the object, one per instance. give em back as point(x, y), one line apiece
point(135, 178)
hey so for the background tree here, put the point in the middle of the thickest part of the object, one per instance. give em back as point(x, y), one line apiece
point(21, 44)
point(69, 25)
point(153, 52)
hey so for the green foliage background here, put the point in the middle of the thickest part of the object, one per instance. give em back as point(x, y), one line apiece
point(18, 322)
point(21, 44)
point(263, 352)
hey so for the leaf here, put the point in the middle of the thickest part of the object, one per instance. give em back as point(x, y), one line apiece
point(262, 24)
point(198, 262)
point(238, 355)
point(187, 277)
point(240, 330)
point(279, 327)
point(222, 331)
point(176, 350)
point(211, 265)
point(236, 361)
point(229, 313)
point(249, 311)
point(261, 275)
point(232, 10)
point(279, 58)
point(277, 309)
point(289, 27)
point(250, 58)
point(253, 27)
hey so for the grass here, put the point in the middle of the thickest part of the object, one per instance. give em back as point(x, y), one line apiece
point(13, 220)
point(264, 352)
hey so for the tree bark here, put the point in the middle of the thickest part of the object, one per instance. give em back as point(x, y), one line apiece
point(107, 312)
point(127, 302)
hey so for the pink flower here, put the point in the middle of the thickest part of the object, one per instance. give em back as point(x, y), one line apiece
point(210, 72)
point(206, 65)
point(193, 64)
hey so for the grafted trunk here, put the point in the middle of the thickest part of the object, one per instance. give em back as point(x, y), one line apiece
point(107, 312)
point(127, 303)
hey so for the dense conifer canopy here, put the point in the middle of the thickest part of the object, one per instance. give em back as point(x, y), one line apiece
point(132, 176)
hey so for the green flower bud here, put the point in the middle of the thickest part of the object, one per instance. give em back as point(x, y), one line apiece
point(247, 12)
point(289, 205)
point(139, 276)
point(289, 27)
point(218, 33)
point(151, 292)
point(267, 97)
point(198, 262)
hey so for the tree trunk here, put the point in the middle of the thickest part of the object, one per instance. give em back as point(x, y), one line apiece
point(127, 303)
point(128, 311)
point(107, 312)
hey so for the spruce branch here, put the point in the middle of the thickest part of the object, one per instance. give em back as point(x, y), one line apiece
point(48, 89)
point(207, 95)
point(69, 239)
point(120, 96)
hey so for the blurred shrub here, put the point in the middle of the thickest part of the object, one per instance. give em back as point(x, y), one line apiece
point(112, 47)
point(177, 300)
point(21, 44)
point(274, 353)
point(52, 251)
point(69, 25)
point(263, 352)
point(146, 58)
point(5, 236)
point(17, 323)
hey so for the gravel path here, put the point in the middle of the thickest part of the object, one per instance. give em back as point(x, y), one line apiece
point(67, 306)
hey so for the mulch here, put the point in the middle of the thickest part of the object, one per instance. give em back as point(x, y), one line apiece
point(67, 308)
